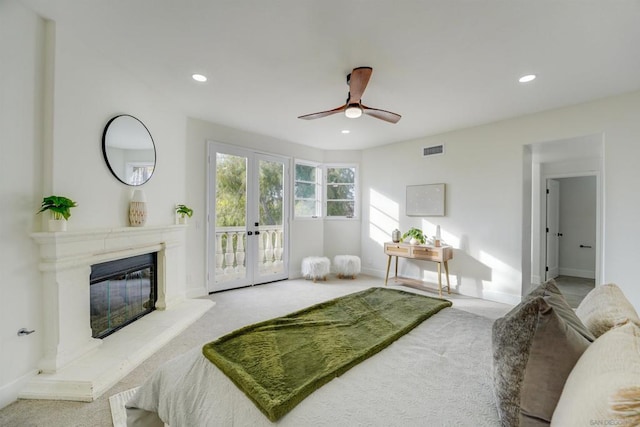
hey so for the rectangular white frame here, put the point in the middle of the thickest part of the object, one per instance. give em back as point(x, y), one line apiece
point(426, 200)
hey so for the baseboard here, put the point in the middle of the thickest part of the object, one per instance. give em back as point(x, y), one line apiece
point(576, 272)
point(501, 297)
point(9, 392)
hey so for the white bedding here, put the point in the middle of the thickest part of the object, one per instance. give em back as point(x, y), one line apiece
point(439, 374)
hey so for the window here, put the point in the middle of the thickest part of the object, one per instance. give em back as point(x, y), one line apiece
point(341, 191)
point(307, 190)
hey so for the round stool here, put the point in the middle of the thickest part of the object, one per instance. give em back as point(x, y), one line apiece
point(316, 267)
point(346, 266)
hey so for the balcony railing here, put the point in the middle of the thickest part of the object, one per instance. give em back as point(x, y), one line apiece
point(230, 252)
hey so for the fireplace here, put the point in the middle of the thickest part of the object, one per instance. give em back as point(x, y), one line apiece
point(74, 364)
point(121, 292)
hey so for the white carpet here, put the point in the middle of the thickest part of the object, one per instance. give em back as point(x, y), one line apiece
point(117, 402)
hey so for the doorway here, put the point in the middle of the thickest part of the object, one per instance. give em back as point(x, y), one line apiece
point(571, 234)
point(248, 207)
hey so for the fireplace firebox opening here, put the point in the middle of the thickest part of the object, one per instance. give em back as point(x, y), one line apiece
point(121, 292)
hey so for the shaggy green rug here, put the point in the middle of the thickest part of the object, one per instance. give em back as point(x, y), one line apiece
point(279, 362)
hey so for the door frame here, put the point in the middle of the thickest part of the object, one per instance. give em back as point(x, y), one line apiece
point(552, 272)
point(599, 213)
point(252, 194)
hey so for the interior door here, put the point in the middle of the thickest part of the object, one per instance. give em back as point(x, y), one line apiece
point(248, 217)
point(553, 229)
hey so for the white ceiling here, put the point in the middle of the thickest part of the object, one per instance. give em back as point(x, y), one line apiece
point(442, 65)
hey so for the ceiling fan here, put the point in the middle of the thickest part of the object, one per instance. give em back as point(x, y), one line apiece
point(353, 108)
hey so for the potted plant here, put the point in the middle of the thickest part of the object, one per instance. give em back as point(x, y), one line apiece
point(416, 236)
point(184, 212)
point(60, 208)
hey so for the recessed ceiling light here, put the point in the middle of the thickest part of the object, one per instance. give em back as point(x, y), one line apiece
point(346, 131)
point(199, 78)
point(527, 78)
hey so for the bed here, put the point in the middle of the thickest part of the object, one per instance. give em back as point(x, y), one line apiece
point(439, 371)
point(454, 369)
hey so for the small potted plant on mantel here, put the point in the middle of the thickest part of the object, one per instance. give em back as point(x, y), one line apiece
point(60, 208)
point(416, 237)
point(184, 212)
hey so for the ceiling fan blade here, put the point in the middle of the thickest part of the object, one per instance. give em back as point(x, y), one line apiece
point(387, 116)
point(358, 83)
point(322, 113)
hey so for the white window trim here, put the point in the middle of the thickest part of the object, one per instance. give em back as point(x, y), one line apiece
point(356, 191)
point(319, 190)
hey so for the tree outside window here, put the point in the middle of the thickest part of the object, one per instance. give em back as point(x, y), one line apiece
point(307, 200)
point(341, 191)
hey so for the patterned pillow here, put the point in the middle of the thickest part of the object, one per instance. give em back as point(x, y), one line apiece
point(605, 307)
point(535, 347)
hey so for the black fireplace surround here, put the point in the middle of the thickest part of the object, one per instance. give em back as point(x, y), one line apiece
point(122, 291)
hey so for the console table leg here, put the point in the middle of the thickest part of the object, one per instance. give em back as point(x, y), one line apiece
point(396, 276)
point(388, 266)
point(446, 269)
point(440, 279)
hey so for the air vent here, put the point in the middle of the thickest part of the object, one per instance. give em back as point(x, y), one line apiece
point(434, 150)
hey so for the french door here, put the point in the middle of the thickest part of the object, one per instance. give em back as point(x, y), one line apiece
point(248, 207)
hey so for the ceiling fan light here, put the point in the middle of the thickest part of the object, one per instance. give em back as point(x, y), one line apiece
point(353, 111)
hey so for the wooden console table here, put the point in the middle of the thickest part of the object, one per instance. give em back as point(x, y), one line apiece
point(440, 255)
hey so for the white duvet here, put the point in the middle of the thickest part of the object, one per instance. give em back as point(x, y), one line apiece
point(439, 374)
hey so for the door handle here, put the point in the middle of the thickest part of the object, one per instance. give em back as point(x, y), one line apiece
point(559, 234)
point(257, 232)
point(249, 233)
point(585, 246)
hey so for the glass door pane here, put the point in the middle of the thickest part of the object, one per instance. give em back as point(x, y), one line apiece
point(271, 201)
point(230, 220)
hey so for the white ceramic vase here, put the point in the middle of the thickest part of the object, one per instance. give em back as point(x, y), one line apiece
point(57, 225)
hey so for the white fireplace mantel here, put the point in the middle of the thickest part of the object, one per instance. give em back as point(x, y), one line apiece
point(65, 262)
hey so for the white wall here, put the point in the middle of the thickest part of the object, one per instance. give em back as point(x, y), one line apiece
point(483, 169)
point(88, 92)
point(57, 95)
point(578, 226)
point(21, 98)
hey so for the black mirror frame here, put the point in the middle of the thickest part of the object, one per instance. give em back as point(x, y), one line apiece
point(106, 158)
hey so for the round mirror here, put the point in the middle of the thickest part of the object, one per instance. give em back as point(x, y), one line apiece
point(129, 150)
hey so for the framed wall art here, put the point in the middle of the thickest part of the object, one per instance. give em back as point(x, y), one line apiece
point(426, 200)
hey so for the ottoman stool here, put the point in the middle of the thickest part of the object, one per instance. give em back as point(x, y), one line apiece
point(316, 267)
point(346, 266)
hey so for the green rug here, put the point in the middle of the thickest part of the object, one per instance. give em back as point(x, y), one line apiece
point(279, 362)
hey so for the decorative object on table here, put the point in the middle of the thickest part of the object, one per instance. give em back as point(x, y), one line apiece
point(437, 241)
point(316, 267)
point(415, 235)
point(138, 209)
point(396, 235)
point(346, 266)
point(60, 208)
point(426, 200)
point(185, 212)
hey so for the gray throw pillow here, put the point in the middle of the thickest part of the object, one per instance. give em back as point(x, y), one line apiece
point(534, 350)
point(558, 301)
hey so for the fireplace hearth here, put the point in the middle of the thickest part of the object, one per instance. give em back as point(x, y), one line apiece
point(121, 292)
